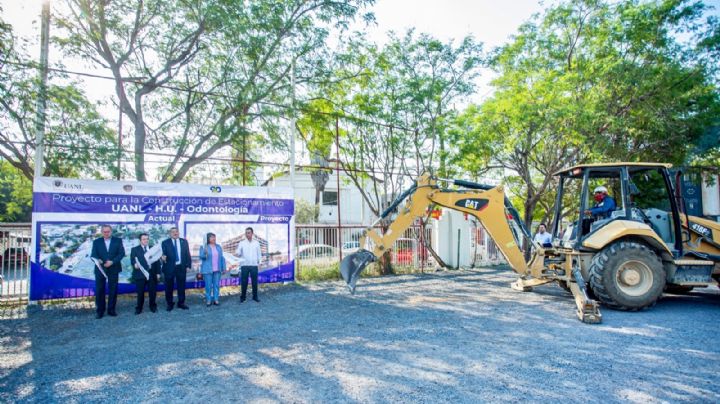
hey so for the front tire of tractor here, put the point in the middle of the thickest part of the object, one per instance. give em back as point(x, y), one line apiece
point(627, 275)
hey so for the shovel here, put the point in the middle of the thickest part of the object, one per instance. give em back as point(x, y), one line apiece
point(353, 264)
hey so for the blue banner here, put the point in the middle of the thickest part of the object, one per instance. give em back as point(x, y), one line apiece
point(68, 215)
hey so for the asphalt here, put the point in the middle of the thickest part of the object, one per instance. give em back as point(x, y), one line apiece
point(460, 336)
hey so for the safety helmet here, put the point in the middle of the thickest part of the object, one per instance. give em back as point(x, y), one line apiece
point(600, 189)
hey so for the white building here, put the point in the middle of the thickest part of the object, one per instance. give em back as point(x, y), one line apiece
point(460, 241)
point(353, 208)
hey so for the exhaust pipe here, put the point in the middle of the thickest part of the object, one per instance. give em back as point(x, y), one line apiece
point(352, 265)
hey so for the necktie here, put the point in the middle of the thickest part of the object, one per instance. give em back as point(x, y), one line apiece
point(144, 249)
point(177, 252)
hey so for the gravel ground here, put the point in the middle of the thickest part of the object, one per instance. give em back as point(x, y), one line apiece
point(460, 336)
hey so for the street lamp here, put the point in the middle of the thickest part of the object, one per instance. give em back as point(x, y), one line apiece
point(42, 93)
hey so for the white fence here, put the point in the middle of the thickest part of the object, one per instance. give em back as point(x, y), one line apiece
point(14, 261)
point(324, 246)
point(318, 246)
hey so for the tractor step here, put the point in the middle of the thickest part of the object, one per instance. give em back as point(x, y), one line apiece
point(692, 272)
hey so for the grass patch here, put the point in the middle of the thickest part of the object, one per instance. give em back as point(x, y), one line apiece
point(316, 274)
point(332, 272)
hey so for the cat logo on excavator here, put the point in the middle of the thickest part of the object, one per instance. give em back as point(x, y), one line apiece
point(623, 259)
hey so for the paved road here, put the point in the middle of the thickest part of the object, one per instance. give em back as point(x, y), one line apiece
point(461, 336)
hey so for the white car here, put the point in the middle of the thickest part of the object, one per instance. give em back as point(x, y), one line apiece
point(317, 255)
point(350, 247)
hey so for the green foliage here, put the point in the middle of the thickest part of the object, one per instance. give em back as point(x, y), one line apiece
point(404, 93)
point(78, 141)
point(306, 213)
point(229, 62)
point(15, 194)
point(594, 81)
point(316, 274)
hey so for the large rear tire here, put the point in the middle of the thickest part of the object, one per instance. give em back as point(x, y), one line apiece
point(627, 275)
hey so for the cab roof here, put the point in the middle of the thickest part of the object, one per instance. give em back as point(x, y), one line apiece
point(636, 166)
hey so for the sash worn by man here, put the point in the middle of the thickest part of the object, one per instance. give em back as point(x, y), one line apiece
point(148, 277)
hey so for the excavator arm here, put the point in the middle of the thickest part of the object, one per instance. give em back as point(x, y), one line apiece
point(490, 206)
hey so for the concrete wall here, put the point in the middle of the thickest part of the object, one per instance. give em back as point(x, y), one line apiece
point(353, 209)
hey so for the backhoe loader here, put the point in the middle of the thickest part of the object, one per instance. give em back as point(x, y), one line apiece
point(624, 260)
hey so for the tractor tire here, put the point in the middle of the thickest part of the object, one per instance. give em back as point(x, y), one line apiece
point(678, 289)
point(627, 275)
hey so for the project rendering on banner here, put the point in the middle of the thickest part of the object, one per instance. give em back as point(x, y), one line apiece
point(68, 214)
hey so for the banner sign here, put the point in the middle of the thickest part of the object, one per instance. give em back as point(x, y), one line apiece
point(68, 215)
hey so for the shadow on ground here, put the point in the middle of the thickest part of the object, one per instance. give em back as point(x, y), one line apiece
point(451, 336)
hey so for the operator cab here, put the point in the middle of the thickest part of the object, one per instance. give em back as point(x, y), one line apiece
point(642, 193)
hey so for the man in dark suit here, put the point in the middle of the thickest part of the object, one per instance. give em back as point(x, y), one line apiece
point(176, 263)
point(138, 260)
point(109, 251)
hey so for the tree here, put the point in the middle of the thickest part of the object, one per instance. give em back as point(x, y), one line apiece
point(212, 72)
point(431, 76)
point(77, 139)
point(15, 194)
point(594, 81)
point(305, 213)
point(315, 126)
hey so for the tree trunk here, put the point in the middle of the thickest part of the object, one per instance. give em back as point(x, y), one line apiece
point(140, 135)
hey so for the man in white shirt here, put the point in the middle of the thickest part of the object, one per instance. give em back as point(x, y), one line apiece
point(542, 237)
point(250, 255)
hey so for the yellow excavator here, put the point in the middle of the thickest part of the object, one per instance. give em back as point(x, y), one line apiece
point(625, 259)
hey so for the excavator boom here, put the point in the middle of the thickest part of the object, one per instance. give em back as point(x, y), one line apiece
point(486, 203)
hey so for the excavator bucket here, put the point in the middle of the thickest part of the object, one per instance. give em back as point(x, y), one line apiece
point(353, 264)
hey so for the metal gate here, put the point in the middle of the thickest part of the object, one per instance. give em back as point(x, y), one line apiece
point(15, 261)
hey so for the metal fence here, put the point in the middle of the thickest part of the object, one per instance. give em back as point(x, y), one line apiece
point(14, 261)
point(323, 246)
point(318, 247)
point(483, 250)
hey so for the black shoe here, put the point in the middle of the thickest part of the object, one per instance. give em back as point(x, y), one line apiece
point(183, 306)
point(208, 304)
point(112, 314)
point(99, 315)
point(153, 309)
point(138, 311)
point(256, 299)
point(242, 300)
point(170, 307)
point(216, 303)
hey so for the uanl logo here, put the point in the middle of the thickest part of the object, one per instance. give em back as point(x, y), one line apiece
point(215, 189)
point(127, 188)
point(60, 184)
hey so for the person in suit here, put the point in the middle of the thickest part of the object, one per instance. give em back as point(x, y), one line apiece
point(109, 252)
point(137, 259)
point(250, 255)
point(212, 267)
point(176, 263)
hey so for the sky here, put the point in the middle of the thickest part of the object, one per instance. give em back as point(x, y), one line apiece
point(491, 22)
point(488, 21)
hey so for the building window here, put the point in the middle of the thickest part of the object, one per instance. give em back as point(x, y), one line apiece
point(329, 198)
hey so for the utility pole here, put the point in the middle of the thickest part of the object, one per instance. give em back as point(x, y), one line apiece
point(292, 126)
point(42, 93)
